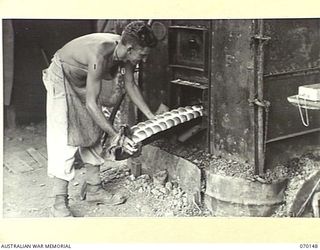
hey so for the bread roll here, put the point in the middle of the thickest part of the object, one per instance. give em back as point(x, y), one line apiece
point(190, 116)
point(159, 117)
point(169, 123)
point(183, 118)
point(141, 125)
point(156, 129)
point(197, 107)
point(149, 122)
point(165, 121)
point(196, 113)
point(176, 120)
point(163, 125)
point(142, 135)
point(135, 129)
point(182, 110)
point(167, 115)
point(174, 112)
point(148, 131)
point(135, 138)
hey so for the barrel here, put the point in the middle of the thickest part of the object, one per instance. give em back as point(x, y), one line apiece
point(228, 196)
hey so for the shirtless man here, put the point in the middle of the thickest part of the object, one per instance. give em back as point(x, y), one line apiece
point(75, 122)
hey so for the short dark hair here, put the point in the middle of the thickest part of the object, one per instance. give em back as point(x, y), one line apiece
point(139, 33)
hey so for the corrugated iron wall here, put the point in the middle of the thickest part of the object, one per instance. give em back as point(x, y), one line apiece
point(292, 59)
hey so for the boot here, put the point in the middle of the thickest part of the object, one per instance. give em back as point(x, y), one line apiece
point(60, 207)
point(98, 195)
point(92, 189)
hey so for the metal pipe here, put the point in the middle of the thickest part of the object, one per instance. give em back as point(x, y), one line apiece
point(210, 106)
point(260, 128)
point(293, 135)
point(294, 73)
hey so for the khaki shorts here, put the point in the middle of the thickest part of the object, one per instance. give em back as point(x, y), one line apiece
point(61, 156)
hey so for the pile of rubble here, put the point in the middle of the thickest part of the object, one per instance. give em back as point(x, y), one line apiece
point(300, 170)
point(166, 198)
point(222, 166)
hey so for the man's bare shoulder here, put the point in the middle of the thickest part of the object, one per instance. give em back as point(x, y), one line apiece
point(98, 38)
point(87, 46)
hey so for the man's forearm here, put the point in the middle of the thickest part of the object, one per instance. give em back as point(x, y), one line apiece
point(98, 116)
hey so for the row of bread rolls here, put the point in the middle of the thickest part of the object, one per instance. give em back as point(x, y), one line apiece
point(162, 122)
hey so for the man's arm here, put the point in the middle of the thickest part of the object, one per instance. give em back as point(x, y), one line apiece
point(134, 92)
point(93, 88)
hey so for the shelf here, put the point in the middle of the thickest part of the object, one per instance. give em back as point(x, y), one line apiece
point(190, 84)
point(186, 67)
point(188, 28)
point(296, 101)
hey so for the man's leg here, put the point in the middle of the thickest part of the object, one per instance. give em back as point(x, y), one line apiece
point(60, 207)
point(60, 155)
point(92, 189)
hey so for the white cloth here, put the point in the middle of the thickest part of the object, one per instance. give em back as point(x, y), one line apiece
point(61, 156)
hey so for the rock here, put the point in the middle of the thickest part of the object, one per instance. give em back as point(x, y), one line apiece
point(185, 200)
point(126, 173)
point(159, 179)
point(169, 185)
point(42, 185)
point(8, 138)
point(175, 191)
point(132, 177)
point(75, 183)
point(169, 214)
point(196, 161)
point(175, 185)
point(179, 205)
point(179, 195)
point(164, 190)
point(140, 190)
point(154, 191)
point(20, 139)
point(144, 177)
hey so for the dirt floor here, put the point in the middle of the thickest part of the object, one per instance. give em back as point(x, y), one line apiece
point(27, 189)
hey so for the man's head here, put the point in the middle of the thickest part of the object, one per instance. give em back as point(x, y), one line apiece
point(138, 39)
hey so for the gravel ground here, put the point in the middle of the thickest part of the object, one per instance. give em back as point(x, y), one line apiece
point(296, 170)
point(147, 196)
point(168, 199)
point(222, 166)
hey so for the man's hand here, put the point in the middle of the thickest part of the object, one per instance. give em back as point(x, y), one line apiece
point(129, 146)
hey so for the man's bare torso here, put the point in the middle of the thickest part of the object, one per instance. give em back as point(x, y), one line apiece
point(77, 54)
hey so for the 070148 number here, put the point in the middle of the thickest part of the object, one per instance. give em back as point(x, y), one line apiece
point(308, 245)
